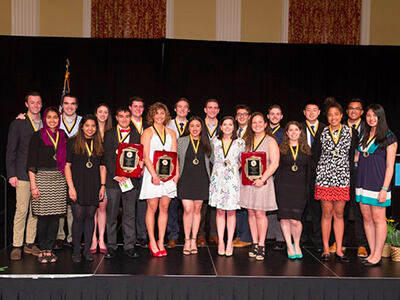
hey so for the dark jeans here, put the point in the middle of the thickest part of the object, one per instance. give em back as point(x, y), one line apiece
point(172, 225)
point(47, 227)
point(242, 225)
point(213, 220)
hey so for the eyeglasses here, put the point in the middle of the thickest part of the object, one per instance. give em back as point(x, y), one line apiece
point(242, 115)
point(355, 108)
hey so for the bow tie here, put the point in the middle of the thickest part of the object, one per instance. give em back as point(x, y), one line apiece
point(124, 130)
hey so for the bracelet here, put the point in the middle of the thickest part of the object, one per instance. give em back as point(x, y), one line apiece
point(263, 181)
point(385, 189)
point(34, 189)
point(103, 184)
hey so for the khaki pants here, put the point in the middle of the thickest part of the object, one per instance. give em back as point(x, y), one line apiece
point(61, 233)
point(21, 211)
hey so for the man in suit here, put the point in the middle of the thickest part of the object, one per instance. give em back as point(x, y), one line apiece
point(243, 235)
point(122, 133)
point(178, 125)
point(136, 107)
point(313, 129)
point(70, 124)
point(19, 136)
point(274, 232)
point(212, 128)
point(354, 112)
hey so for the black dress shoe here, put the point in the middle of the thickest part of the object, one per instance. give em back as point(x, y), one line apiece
point(142, 243)
point(131, 253)
point(58, 244)
point(279, 245)
point(76, 257)
point(110, 253)
point(88, 256)
point(342, 258)
point(368, 264)
point(325, 257)
point(319, 249)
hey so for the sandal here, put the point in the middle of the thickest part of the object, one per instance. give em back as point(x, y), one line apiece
point(253, 251)
point(261, 253)
point(194, 251)
point(52, 258)
point(186, 251)
point(41, 258)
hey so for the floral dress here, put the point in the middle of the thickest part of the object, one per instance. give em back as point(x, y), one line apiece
point(225, 179)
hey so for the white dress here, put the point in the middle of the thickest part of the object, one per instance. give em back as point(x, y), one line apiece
point(225, 181)
point(148, 189)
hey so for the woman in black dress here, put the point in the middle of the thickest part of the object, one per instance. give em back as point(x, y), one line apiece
point(291, 186)
point(194, 151)
point(45, 163)
point(86, 177)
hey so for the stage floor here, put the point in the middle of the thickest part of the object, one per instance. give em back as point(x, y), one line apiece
point(205, 263)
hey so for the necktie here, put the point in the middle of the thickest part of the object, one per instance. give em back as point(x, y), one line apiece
point(354, 126)
point(240, 132)
point(311, 136)
point(181, 126)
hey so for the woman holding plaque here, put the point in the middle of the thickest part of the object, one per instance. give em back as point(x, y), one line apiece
point(154, 191)
point(291, 185)
point(86, 177)
point(259, 197)
point(376, 161)
point(225, 182)
point(103, 116)
point(332, 185)
point(194, 151)
point(46, 163)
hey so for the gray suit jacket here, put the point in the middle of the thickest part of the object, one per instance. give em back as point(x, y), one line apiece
point(183, 144)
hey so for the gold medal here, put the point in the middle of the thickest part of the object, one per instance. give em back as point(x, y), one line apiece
point(295, 168)
point(55, 157)
point(365, 154)
point(335, 152)
point(54, 142)
point(89, 164)
point(225, 163)
point(294, 155)
point(226, 151)
point(195, 148)
point(195, 161)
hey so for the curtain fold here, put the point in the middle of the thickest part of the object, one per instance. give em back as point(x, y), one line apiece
point(325, 22)
point(129, 19)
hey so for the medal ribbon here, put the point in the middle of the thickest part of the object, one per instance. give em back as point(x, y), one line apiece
point(255, 146)
point(69, 129)
point(357, 124)
point(229, 147)
point(89, 151)
point(276, 129)
point(120, 137)
point(32, 123)
point(179, 127)
point(139, 130)
point(211, 134)
point(195, 145)
point(162, 139)
point(335, 139)
point(54, 142)
point(294, 154)
point(313, 132)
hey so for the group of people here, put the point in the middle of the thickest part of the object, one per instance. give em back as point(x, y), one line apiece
point(65, 165)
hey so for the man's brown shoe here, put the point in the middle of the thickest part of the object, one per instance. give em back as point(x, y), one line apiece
point(332, 249)
point(16, 253)
point(171, 243)
point(236, 240)
point(201, 241)
point(213, 240)
point(362, 252)
point(31, 249)
point(58, 244)
point(241, 244)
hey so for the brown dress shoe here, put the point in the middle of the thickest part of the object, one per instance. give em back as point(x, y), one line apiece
point(201, 241)
point(171, 243)
point(241, 244)
point(332, 249)
point(213, 240)
point(16, 253)
point(32, 249)
point(362, 252)
point(236, 240)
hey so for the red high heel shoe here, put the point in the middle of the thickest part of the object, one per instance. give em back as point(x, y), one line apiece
point(155, 254)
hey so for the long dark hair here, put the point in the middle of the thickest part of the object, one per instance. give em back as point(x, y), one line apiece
point(234, 133)
point(204, 140)
point(304, 148)
point(382, 128)
point(79, 144)
point(250, 133)
point(109, 123)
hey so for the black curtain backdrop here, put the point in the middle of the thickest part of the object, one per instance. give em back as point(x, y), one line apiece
point(258, 74)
